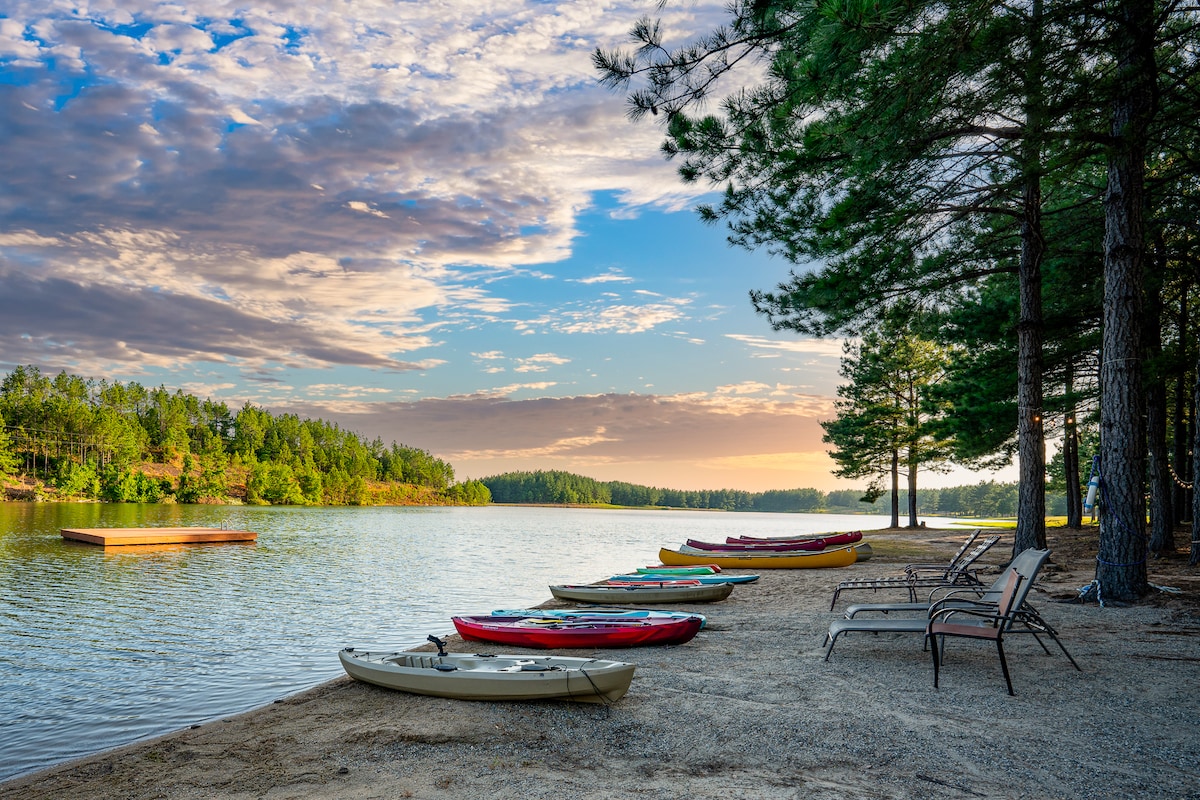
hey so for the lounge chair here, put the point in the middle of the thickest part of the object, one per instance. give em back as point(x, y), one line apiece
point(958, 572)
point(1027, 565)
point(980, 623)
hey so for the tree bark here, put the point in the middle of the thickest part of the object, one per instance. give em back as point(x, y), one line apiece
point(1071, 453)
point(895, 489)
point(1121, 561)
point(1182, 500)
point(912, 494)
point(1031, 447)
point(1162, 518)
point(1195, 554)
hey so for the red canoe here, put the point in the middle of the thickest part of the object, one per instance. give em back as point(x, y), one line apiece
point(756, 547)
point(830, 539)
point(649, 581)
point(556, 632)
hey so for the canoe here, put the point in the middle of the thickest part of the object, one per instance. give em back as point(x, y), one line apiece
point(751, 578)
point(707, 569)
point(486, 677)
point(597, 613)
point(840, 557)
point(608, 595)
point(831, 539)
point(651, 580)
point(756, 547)
point(550, 632)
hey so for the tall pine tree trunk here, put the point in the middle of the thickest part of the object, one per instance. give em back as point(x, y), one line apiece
point(1071, 452)
point(1162, 520)
point(1031, 448)
point(912, 493)
point(895, 489)
point(1121, 561)
point(1195, 554)
point(1180, 422)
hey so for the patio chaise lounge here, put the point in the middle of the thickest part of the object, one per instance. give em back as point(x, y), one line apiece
point(959, 571)
point(978, 600)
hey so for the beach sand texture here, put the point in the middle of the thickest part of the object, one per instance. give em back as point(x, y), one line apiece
point(747, 709)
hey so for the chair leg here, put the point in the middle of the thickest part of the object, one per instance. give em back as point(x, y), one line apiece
point(1004, 665)
point(829, 650)
point(933, 648)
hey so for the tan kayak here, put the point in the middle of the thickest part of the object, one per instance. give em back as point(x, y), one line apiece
point(839, 557)
point(466, 676)
point(607, 594)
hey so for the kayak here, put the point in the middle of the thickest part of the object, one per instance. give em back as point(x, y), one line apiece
point(550, 632)
point(706, 569)
point(756, 547)
point(650, 580)
point(701, 578)
point(486, 677)
point(830, 539)
point(840, 557)
point(608, 595)
point(597, 613)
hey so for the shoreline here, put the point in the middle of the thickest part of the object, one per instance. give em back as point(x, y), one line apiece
point(748, 709)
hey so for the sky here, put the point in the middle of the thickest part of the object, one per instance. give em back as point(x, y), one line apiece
point(425, 221)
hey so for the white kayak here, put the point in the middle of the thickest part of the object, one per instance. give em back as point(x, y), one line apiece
point(467, 676)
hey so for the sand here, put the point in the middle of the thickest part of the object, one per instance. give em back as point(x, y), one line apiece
point(748, 709)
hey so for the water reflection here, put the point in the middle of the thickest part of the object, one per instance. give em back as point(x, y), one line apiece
point(102, 646)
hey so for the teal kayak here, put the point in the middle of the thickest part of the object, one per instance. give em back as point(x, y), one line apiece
point(598, 613)
point(666, 576)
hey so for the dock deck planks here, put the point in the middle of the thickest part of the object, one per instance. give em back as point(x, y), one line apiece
point(119, 537)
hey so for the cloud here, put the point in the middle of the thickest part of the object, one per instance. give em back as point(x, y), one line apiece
point(613, 435)
point(619, 318)
point(831, 348)
point(299, 172)
point(608, 277)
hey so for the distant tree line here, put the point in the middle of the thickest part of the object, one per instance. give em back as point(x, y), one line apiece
point(985, 499)
point(122, 442)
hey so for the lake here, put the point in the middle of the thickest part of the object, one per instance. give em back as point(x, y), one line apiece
point(100, 648)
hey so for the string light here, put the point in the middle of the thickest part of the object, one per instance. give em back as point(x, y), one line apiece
point(1178, 480)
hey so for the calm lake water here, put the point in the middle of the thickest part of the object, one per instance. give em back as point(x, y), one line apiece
point(99, 647)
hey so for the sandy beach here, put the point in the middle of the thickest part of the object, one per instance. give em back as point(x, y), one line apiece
point(746, 709)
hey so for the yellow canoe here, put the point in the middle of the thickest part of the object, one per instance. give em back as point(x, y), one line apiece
point(840, 557)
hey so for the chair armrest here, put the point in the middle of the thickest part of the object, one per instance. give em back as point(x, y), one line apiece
point(954, 589)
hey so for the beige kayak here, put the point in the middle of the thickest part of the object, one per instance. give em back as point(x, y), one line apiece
point(609, 594)
point(483, 677)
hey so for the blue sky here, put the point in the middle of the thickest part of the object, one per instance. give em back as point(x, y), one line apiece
point(423, 220)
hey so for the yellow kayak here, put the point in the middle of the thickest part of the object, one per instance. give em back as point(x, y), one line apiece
point(840, 557)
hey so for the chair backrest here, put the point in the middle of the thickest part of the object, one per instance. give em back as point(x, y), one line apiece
point(965, 546)
point(973, 556)
point(1027, 565)
point(1011, 597)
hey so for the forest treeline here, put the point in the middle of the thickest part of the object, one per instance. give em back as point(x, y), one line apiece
point(73, 438)
point(985, 499)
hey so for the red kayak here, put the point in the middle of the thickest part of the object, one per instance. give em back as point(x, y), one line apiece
point(830, 539)
point(659, 582)
point(756, 547)
point(556, 632)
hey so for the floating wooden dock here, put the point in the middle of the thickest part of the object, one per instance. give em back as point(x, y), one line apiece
point(123, 537)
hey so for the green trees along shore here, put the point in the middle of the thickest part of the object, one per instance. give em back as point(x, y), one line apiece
point(987, 499)
point(72, 438)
